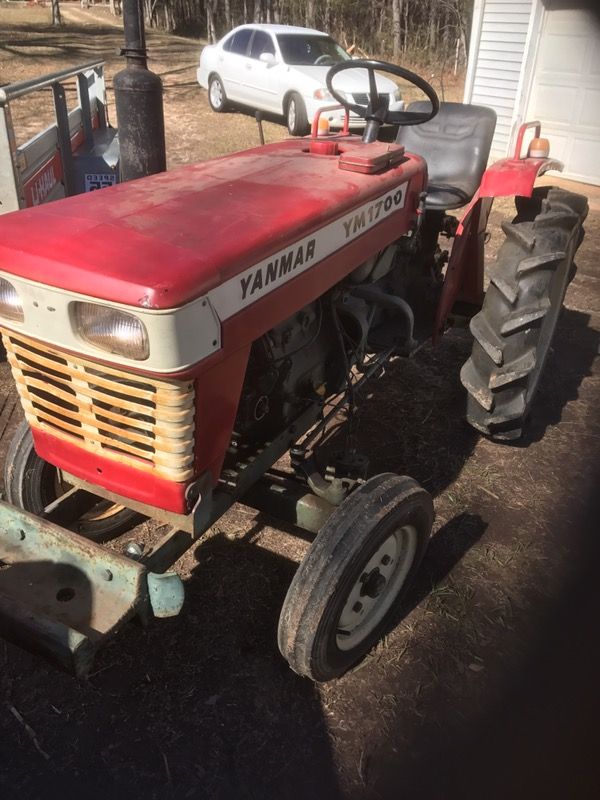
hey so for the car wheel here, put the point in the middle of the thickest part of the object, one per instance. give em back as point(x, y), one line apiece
point(216, 94)
point(297, 121)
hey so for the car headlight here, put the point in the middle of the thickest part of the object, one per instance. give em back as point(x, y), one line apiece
point(322, 94)
point(10, 303)
point(111, 329)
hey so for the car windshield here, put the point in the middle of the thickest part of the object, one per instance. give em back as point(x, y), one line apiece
point(310, 50)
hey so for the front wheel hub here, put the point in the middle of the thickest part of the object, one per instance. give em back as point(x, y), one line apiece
point(373, 584)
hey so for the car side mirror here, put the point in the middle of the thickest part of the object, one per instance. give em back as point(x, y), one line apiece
point(268, 59)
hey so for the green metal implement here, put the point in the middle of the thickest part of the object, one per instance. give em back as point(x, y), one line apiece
point(62, 595)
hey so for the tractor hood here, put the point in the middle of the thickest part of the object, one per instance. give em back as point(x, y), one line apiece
point(163, 241)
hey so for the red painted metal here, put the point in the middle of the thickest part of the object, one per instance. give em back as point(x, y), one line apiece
point(218, 390)
point(512, 177)
point(324, 147)
point(164, 240)
point(314, 130)
point(524, 127)
point(43, 180)
point(372, 158)
point(464, 273)
point(509, 177)
point(125, 481)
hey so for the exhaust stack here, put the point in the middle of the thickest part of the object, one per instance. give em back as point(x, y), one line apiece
point(139, 104)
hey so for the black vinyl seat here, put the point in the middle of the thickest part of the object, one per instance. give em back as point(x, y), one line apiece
point(456, 145)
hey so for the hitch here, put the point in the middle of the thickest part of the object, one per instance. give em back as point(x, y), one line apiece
point(62, 595)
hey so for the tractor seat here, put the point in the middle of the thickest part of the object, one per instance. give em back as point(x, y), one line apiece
point(456, 145)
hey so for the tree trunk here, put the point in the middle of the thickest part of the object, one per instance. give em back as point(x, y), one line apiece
point(397, 28)
point(56, 17)
point(211, 31)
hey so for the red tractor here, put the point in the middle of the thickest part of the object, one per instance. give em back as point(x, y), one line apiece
point(173, 337)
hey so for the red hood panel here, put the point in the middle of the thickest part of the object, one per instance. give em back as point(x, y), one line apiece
point(164, 240)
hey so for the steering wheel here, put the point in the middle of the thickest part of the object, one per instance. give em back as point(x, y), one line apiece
point(377, 112)
point(324, 60)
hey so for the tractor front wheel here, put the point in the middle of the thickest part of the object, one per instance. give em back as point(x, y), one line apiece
point(346, 590)
point(33, 484)
point(513, 331)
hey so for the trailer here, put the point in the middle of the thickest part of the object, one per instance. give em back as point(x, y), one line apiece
point(78, 152)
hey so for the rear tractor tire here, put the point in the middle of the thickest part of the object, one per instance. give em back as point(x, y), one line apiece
point(345, 594)
point(514, 329)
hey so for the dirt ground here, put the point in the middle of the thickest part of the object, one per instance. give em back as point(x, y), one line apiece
point(487, 687)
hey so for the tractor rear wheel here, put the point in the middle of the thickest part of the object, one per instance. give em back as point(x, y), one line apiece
point(513, 331)
point(33, 484)
point(346, 590)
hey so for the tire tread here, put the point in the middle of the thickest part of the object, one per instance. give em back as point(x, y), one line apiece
point(502, 374)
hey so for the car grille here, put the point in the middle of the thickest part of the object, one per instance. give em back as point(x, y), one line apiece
point(141, 422)
point(363, 99)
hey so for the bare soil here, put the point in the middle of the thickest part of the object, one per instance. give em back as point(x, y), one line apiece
point(487, 687)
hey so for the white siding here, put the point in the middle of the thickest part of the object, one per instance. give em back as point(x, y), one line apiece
point(497, 63)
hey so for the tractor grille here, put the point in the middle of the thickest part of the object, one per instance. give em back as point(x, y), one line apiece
point(141, 422)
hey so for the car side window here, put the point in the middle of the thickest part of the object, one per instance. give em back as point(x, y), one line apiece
point(228, 43)
point(262, 43)
point(239, 42)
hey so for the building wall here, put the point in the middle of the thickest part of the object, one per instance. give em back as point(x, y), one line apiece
point(564, 88)
point(501, 34)
point(540, 59)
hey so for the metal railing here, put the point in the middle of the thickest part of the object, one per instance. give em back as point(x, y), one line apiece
point(42, 168)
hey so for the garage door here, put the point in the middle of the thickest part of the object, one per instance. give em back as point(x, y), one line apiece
point(565, 93)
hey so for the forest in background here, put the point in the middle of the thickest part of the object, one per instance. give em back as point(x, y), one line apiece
point(421, 31)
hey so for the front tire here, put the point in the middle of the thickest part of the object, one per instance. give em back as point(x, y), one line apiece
point(216, 94)
point(296, 118)
point(514, 329)
point(347, 588)
point(32, 484)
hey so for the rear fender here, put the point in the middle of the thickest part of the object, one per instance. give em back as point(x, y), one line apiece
point(509, 177)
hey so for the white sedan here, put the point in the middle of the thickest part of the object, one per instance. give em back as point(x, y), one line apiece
point(282, 69)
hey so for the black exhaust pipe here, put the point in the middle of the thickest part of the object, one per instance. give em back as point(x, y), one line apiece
point(139, 103)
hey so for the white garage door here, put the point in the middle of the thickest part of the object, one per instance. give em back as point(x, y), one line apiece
point(565, 92)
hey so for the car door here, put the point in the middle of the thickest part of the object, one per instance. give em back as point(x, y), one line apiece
point(261, 83)
point(231, 63)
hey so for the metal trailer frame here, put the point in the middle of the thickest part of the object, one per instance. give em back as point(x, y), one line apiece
point(43, 168)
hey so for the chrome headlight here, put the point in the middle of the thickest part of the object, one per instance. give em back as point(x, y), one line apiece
point(111, 329)
point(10, 303)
